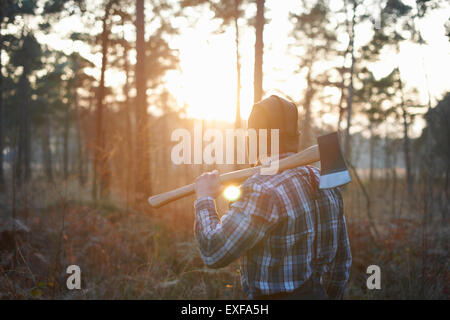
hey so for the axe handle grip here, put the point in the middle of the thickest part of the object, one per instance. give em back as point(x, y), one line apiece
point(302, 158)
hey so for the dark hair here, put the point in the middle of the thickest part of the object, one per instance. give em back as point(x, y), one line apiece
point(276, 113)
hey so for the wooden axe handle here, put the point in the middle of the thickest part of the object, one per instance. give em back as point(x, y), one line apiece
point(302, 158)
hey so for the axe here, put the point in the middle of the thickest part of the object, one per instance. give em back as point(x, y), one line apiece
point(333, 170)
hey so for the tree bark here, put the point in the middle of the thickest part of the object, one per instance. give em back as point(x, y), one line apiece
point(409, 180)
point(394, 180)
point(259, 48)
point(22, 154)
point(350, 87)
point(100, 162)
point(81, 176)
point(237, 123)
point(27, 138)
point(66, 144)
point(143, 185)
point(238, 120)
point(340, 106)
point(2, 176)
point(46, 151)
point(129, 131)
point(372, 154)
point(342, 87)
point(306, 138)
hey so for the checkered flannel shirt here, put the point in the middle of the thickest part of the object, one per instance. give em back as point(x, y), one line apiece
point(271, 228)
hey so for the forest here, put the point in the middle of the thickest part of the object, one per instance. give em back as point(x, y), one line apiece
point(91, 92)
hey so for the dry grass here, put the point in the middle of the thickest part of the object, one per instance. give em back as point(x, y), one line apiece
point(132, 254)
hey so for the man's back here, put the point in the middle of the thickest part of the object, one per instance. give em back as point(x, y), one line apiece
point(272, 228)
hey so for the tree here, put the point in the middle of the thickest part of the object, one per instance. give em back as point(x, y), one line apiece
point(350, 86)
point(61, 101)
point(360, 12)
point(121, 48)
point(312, 33)
point(397, 25)
point(375, 98)
point(101, 168)
point(56, 92)
point(142, 145)
point(236, 14)
point(26, 55)
point(437, 131)
point(259, 50)
point(79, 80)
point(9, 10)
point(49, 90)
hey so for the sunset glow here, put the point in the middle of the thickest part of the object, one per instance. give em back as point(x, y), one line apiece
point(206, 79)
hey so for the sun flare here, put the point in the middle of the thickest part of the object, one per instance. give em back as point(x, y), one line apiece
point(232, 193)
point(208, 77)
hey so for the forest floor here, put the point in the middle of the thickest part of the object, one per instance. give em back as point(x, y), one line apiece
point(128, 253)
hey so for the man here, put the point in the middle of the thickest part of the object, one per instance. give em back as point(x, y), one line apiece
point(291, 246)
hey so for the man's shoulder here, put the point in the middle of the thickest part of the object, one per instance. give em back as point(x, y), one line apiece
point(271, 183)
point(291, 179)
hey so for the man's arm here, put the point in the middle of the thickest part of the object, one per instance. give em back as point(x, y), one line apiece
point(244, 225)
point(337, 277)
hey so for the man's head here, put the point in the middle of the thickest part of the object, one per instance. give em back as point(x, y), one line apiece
point(276, 113)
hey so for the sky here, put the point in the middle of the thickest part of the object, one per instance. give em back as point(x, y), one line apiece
point(206, 79)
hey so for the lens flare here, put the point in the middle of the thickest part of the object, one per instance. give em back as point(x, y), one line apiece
point(232, 193)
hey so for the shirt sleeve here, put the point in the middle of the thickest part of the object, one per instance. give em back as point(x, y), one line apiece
point(337, 277)
point(244, 225)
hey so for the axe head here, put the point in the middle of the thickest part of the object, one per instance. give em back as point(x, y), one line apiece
point(333, 170)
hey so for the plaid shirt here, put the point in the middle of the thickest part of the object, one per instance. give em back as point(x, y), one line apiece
point(271, 228)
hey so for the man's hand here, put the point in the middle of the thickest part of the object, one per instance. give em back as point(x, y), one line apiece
point(208, 184)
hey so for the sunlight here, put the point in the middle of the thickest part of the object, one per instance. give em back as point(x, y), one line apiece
point(232, 193)
point(208, 78)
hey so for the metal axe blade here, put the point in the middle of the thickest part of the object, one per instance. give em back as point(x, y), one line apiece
point(333, 170)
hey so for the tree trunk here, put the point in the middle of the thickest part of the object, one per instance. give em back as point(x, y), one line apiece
point(46, 151)
point(388, 149)
point(129, 132)
point(22, 153)
point(342, 87)
point(406, 151)
point(100, 162)
point(81, 176)
point(306, 138)
point(238, 120)
point(164, 145)
point(394, 180)
point(372, 154)
point(143, 185)
point(350, 87)
point(447, 173)
point(2, 176)
point(19, 147)
point(237, 123)
point(340, 106)
point(259, 48)
point(27, 140)
point(66, 144)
